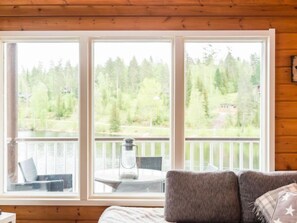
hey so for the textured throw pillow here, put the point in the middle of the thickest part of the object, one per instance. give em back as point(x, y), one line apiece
point(202, 197)
point(286, 208)
point(265, 204)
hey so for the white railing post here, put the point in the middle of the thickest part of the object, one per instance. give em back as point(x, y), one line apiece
point(231, 155)
point(153, 148)
point(45, 157)
point(75, 166)
point(251, 156)
point(34, 154)
point(163, 149)
point(104, 154)
point(65, 161)
point(55, 156)
point(192, 156)
point(113, 155)
point(221, 156)
point(241, 155)
point(201, 155)
point(211, 153)
point(163, 154)
point(143, 149)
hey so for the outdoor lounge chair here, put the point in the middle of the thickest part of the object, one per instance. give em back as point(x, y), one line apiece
point(32, 181)
point(153, 163)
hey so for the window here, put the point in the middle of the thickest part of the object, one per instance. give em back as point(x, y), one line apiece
point(42, 101)
point(131, 99)
point(72, 103)
point(223, 107)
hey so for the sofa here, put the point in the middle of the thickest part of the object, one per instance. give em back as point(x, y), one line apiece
point(205, 197)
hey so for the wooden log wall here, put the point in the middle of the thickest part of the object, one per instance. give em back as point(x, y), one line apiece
point(54, 214)
point(167, 15)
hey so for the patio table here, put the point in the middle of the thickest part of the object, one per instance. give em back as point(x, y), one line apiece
point(148, 180)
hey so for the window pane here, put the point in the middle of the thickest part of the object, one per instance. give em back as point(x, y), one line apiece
point(131, 100)
point(222, 123)
point(42, 116)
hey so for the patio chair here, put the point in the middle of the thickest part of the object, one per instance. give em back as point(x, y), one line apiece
point(32, 181)
point(153, 163)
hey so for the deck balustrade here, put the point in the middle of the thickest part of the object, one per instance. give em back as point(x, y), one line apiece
point(59, 155)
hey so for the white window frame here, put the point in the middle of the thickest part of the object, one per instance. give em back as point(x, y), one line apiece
point(85, 196)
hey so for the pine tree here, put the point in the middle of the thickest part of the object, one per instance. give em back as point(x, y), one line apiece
point(205, 104)
point(188, 87)
point(114, 119)
point(255, 63)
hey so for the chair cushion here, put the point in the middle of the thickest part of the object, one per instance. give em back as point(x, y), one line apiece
point(29, 170)
point(202, 197)
point(254, 184)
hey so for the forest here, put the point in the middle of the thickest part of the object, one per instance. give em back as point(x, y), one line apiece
point(222, 98)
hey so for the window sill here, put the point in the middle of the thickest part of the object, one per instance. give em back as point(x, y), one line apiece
point(143, 201)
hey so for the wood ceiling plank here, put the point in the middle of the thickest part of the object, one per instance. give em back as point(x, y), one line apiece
point(144, 23)
point(200, 11)
point(148, 2)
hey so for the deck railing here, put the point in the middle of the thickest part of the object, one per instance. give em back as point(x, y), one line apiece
point(60, 155)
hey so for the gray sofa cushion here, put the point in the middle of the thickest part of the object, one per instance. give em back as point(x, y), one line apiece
point(202, 197)
point(254, 184)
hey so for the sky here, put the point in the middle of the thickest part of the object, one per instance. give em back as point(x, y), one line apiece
point(31, 54)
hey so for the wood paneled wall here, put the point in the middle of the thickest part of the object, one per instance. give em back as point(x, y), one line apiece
point(168, 15)
point(54, 214)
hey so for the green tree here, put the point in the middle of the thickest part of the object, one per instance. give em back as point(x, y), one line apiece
point(133, 76)
point(231, 73)
point(245, 100)
point(188, 87)
point(255, 64)
point(205, 104)
point(149, 99)
point(114, 119)
point(209, 54)
point(220, 81)
point(146, 69)
point(39, 104)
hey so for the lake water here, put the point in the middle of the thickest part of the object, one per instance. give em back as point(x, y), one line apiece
point(25, 134)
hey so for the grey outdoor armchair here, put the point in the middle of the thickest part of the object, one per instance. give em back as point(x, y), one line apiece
point(154, 163)
point(32, 181)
